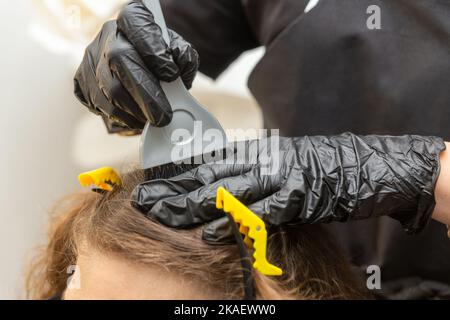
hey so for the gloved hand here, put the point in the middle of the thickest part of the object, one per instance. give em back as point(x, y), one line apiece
point(306, 180)
point(120, 73)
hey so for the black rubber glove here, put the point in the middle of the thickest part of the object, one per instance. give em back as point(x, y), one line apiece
point(316, 179)
point(120, 73)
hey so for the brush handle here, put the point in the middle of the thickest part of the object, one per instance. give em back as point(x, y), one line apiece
point(175, 88)
point(155, 8)
point(190, 120)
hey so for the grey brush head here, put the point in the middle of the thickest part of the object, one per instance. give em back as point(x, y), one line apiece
point(192, 132)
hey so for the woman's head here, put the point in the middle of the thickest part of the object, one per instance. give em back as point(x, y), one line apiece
point(121, 254)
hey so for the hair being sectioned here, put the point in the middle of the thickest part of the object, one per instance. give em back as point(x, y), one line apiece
point(313, 266)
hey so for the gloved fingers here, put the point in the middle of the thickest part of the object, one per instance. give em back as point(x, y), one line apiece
point(148, 193)
point(115, 92)
point(114, 127)
point(199, 206)
point(85, 81)
point(186, 57)
point(93, 98)
point(218, 232)
point(140, 83)
point(87, 89)
point(80, 92)
point(277, 208)
point(137, 23)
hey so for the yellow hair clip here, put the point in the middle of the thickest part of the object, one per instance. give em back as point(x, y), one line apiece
point(104, 179)
point(252, 227)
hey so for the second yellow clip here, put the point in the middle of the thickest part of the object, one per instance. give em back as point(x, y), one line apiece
point(252, 227)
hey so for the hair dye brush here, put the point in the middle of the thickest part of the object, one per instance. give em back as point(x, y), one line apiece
point(192, 132)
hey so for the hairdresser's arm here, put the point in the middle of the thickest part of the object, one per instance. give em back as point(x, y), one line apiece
point(319, 179)
point(218, 30)
point(442, 193)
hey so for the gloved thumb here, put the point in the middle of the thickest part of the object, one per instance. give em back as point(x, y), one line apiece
point(218, 232)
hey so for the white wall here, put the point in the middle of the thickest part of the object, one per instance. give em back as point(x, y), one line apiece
point(37, 115)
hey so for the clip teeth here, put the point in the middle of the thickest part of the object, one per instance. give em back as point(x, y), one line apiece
point(104, 179)
point(247, 240)
point(252, 227)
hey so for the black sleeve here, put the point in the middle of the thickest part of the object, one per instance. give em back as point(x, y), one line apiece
point(217, 29)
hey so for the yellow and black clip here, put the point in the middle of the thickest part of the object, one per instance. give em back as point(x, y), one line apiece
point(103, 179)
point(253, 229)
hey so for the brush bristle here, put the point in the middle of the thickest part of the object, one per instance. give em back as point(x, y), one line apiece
point(171, 170)
point(167, 171)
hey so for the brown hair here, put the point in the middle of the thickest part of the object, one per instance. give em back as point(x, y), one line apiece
point(313, 266)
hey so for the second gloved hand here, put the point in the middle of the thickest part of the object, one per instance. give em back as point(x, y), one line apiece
point(306, 180)
point(120, 73)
